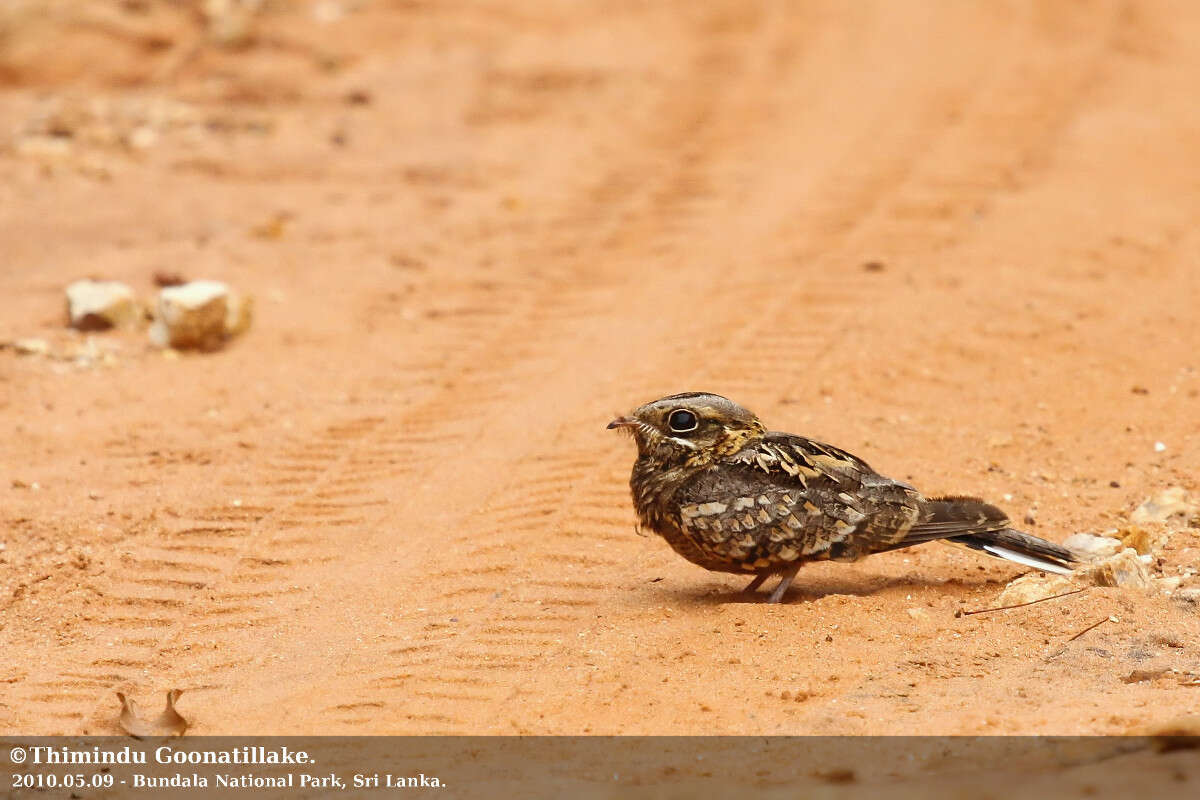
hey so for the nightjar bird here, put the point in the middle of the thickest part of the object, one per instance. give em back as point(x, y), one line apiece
point(731, 496)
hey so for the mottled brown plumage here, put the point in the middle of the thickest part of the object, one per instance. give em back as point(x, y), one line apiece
point(731, 496)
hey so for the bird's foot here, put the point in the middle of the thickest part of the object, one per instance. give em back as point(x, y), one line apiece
point(754, 584)
point(784, 583)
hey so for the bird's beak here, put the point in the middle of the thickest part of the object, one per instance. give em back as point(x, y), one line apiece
point(622, 422)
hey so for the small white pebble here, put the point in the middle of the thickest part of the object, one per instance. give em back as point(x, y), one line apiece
point(237, 503)
point(1008, 498)
point(1159, 447)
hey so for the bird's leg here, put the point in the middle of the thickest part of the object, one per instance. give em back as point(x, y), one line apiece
point(784, 583)
point(754, 584)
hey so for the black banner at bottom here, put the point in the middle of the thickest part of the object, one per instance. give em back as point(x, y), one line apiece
point(600, 767)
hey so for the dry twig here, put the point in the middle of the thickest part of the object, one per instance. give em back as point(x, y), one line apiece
point(1017, 605)
point(1093, 626)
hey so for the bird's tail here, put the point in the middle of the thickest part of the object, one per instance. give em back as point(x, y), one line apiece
point(970, 522)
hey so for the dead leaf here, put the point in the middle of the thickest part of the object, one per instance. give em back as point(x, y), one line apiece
point(168, 723)
point(1146, 540)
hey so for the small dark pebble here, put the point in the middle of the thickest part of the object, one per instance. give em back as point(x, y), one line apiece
point(1114, 484)
point(164, 278)
point(874, 266)
point(1140, 390)
point(92, 322)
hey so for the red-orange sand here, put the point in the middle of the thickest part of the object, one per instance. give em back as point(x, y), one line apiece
point(957, 239)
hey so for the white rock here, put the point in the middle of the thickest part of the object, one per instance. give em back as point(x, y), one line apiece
point(1033, 587)
point(200, 314)
point(1123, 569)
point(1169, 585)
point(1164, 505)
point(31, 347)
point(230, 21)
point(1092, 548)
point(191, 315)
point(99, 305)
point(43, 148)
point(239, 311)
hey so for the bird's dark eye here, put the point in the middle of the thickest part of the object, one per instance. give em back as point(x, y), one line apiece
point(682, 420)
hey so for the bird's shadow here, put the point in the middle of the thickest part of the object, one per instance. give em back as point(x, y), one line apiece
point(815, 589)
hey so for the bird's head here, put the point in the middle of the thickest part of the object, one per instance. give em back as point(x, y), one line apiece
point(691, 429)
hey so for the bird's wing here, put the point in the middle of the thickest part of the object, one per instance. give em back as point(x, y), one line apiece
point(786, 494)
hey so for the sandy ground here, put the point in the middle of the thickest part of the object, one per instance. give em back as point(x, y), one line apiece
point(958, 239)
